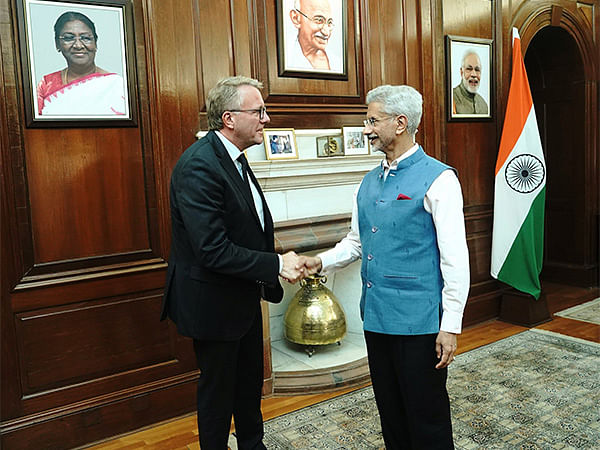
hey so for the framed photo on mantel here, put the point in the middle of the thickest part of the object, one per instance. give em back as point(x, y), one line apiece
point(280, 143)
point(355, 142)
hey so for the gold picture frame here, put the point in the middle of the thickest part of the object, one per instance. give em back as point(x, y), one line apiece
point(280, 143)
point(330, 146)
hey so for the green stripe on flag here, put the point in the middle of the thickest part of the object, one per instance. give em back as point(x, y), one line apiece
point(523, 264)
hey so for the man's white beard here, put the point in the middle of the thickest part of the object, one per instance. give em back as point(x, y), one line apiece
point(469, 88)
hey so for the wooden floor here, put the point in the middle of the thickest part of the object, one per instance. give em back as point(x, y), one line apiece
point(181, 433)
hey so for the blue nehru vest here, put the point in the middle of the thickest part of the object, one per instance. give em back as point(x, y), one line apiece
point(401, 277)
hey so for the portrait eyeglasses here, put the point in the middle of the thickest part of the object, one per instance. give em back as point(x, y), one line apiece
point(260, 111)
point(70, 39)
point(371, 121)
point(319, 20)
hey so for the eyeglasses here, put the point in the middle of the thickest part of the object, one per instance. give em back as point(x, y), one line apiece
point(319, 20)
point(371, 121)
point(71, 38)
point(260, 111)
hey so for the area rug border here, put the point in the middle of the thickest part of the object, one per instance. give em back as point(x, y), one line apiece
point(567, 313)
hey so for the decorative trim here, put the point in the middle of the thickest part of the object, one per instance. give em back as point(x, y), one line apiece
point(312, 173)
point(303, 235)
point(321, 380)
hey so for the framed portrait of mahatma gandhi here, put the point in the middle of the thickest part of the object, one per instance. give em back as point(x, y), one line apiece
point(311, 38)
point(469, 72)
point(78, 62)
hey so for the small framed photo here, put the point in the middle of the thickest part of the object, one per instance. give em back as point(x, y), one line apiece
point(469, 73)
point(355, 142)
point(311, 39)
point(330, 146)
point(280, 143)
point(78, 60)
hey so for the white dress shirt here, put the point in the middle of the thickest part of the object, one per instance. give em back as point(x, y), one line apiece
point(235, 153)
point(444, 202)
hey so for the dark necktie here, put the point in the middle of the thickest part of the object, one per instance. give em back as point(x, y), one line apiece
point(245, 168)
point(244, 162)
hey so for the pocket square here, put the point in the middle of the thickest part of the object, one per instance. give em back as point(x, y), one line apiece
point(403, 197)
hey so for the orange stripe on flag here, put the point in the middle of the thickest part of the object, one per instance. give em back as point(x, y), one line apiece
point(517, 108)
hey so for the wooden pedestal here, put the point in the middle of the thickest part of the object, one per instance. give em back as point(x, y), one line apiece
point(522, 309)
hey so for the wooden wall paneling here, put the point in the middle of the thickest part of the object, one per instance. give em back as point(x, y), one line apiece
point(176, 94)
point(216, 44)
point(13, 217)
point(86, 192)
point(385, 54)
point(117, 339)
point(12, 156)
point(86, 200)
point(84, 424)
point(472, 146)
point(247, 26)
point(371, 46)
point(175, 37)
point(152, 163)
point(134, 299)
point(484, 298)
point(412, 47)
point(430, 133)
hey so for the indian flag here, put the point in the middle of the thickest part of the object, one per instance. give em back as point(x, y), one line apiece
point(520, 189)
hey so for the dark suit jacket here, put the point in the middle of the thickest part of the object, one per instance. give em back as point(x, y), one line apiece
point(221, 260)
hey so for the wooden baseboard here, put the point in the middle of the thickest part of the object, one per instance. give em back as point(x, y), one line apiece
point(573, 275)
point(99, 420)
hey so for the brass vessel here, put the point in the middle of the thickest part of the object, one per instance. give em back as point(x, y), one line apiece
point(314, 316)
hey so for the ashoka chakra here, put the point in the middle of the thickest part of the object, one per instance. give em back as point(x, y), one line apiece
point(524, 173)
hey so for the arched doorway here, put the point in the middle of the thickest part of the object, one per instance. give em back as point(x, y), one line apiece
point(556, 75)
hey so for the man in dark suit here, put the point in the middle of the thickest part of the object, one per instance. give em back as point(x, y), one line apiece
point(222, 263)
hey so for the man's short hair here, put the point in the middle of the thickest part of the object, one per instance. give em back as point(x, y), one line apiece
point(226, 96)
point(468, 53)
point(399, 101)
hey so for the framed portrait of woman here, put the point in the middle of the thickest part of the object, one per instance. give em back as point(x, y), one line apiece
point(78, 63)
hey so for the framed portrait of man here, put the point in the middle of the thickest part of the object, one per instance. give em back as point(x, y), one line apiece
point(469, 71)
point(311, 38)
point(78, 63)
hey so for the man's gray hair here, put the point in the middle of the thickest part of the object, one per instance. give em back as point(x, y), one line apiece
point(399, 101)
point(226, 96)
point(468, 52)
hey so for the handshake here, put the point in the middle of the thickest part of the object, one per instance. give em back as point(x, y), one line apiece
point(296, 267)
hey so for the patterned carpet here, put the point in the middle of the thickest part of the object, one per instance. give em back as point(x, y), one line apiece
point(534, 390)
point(586, 312)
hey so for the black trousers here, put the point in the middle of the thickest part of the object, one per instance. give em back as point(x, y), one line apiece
point(409, 391)
point(231, 379)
